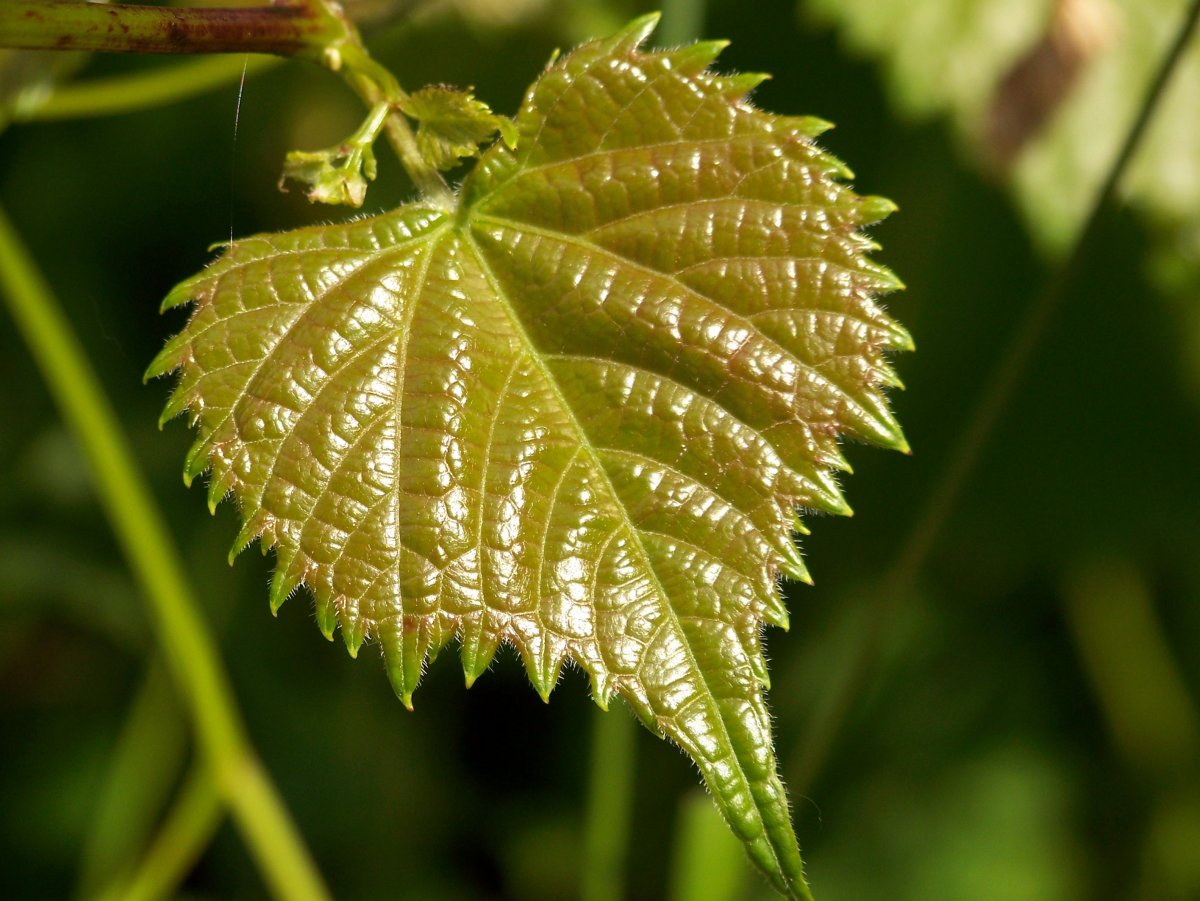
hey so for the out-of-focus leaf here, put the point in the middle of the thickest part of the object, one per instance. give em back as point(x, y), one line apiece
point(28, 77)
point(954, 56)
point(575, 411)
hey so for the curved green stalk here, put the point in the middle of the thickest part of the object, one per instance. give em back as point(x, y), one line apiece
point(144, 90)
point(188, 648)
point(143, 768)
point(187, 830)
point(897, 581)
point(609, 807)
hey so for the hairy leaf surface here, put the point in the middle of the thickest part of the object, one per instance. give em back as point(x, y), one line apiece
point(576, 412)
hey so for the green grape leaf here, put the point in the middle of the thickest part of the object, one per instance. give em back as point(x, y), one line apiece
point(953, 57)
point(451, 124)
point(575, 411)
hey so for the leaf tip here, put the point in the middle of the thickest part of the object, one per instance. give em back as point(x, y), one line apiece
point(282, 586)
point(601, 689)
point(176, 404)
point(875, 208)
point(776, 614)
point(902, 339)
point(405, 642)
point(543, 669)
point(478, 650)
point(353, 633)
point(815, 126)
point(326, 615)
point(743, 83)
point(640, 28)
point(696, 57)
point(401, 681)
point(798, 572)
point(250, 530)
point(178, 296)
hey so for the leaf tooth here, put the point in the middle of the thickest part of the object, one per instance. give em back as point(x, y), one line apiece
point(834, 166)
point(183, 293)
point(758, 666)
point(789, 559)
point(901, 339)
point(887, 376)
point(874, 208)
point(880, 427)
point(794, 568)
point(354, 628)
point(602, 687)
point(827, 495)
point(250, 530)
point(405, 642)
point(885, 280)
point(543, 663)
point(775, 613)
point(697, 57)
point(168, 359)
point(218, 486)
point(196, 461)
point(736, 87)
point(837, 461)
point(642, 709)
point(326, 613)
point(478, 649)
point(635, 33)
point(814, 126)
point(179, 401)
point(441, 631)
point(283, 583)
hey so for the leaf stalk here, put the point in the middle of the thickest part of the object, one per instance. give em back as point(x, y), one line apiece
point(315, 30)
point(189, 649)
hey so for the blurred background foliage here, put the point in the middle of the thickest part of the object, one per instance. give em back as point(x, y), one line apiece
point(1024, 725)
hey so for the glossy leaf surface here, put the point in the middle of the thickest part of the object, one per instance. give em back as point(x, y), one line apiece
point(576, 412)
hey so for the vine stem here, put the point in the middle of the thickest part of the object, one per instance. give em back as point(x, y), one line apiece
point(314, 30)
point(189, 651)
point(284, 29)
point(898, 579)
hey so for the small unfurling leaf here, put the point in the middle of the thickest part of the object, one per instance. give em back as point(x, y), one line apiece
point(451, 124)
point(340, 174)
point(337, 176)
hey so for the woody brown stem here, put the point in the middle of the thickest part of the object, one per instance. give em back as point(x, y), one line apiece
point(293, 28)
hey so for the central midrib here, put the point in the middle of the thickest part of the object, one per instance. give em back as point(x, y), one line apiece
point(526, 341)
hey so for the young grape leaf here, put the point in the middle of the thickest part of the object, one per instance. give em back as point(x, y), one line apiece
point(575, 412)
point(451, 124)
